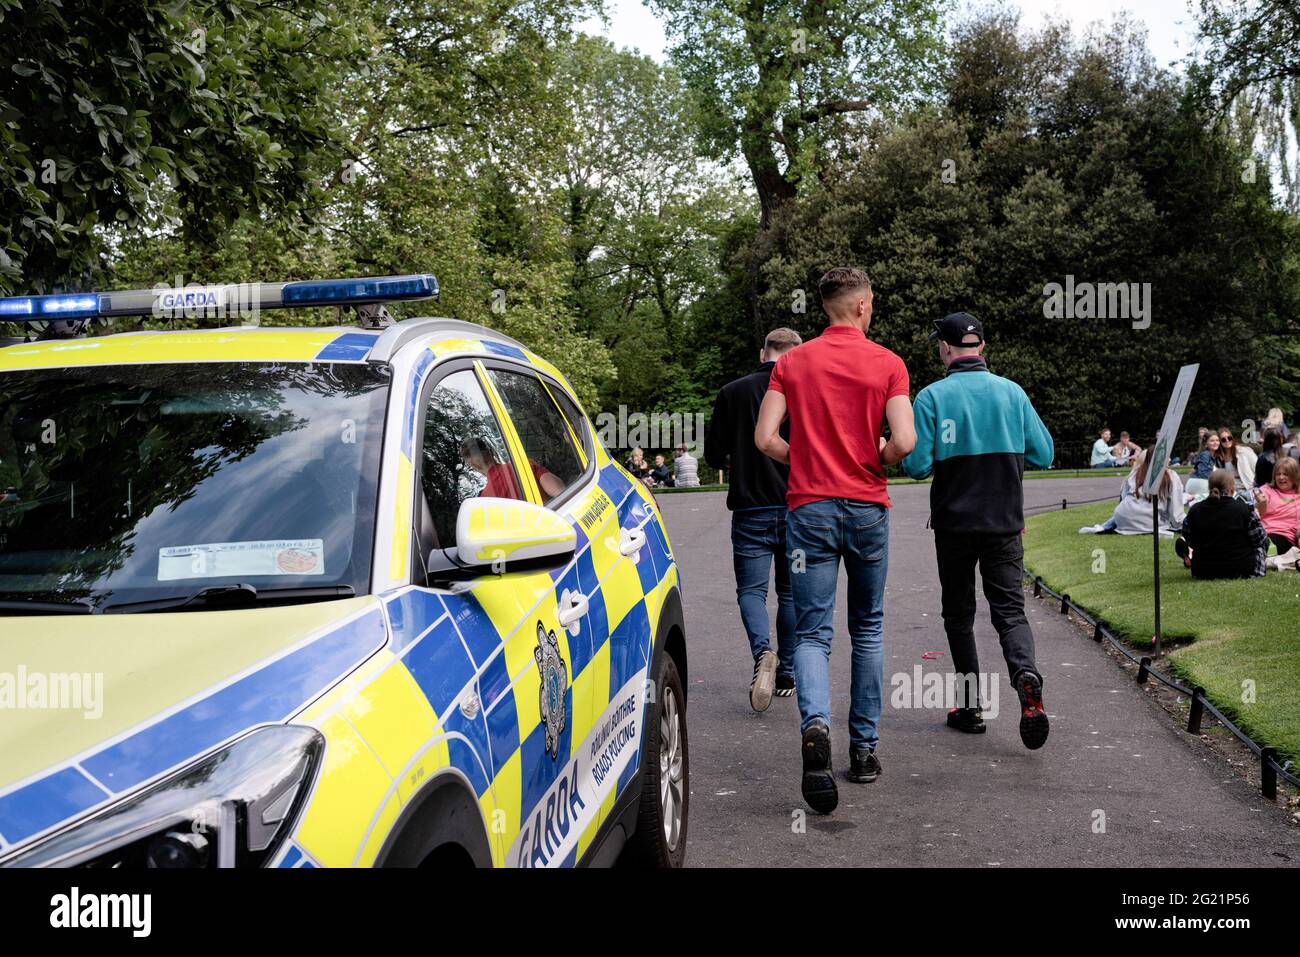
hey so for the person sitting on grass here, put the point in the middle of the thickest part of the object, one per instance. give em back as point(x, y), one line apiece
point(637, 465)
point(1132, 515)
point(661, 474)
point(1222, 536)
point(1126, 450)
point(1101, 457)
point(686, 472)
point(1239, 460)
point(1279, 505)
point(1268, 457)
point(1203, 462)
point(1275, 420)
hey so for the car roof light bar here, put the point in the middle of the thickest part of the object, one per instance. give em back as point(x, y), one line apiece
point(232, 299)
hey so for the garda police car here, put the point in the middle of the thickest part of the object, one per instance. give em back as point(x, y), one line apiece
point(299, 597)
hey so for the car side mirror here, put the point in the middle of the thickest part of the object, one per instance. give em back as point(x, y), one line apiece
point(499, 535)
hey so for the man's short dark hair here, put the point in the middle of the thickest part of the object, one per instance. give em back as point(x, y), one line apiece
point(840, 281)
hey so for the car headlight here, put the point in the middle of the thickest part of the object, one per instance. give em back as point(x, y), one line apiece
point(232, 808)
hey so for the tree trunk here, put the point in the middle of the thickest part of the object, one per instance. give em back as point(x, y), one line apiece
point(774, 190)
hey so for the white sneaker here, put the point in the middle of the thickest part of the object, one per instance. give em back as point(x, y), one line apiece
point(1092, 529)
point(763, 684)
point(1288, 559)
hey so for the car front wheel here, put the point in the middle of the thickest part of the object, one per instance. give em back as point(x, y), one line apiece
point(660, 838)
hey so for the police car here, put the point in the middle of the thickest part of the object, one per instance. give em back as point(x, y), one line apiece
point(296, 597)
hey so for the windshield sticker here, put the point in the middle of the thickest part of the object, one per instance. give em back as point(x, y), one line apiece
point(242, 559)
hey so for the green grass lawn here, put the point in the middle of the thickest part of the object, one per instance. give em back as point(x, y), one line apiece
point(1235, 630)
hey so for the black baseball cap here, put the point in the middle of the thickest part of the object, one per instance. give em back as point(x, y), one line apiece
point(955, 327)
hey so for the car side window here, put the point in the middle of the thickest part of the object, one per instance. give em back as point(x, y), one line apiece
point(464, 454)
point(543, 430)
point(577, 421)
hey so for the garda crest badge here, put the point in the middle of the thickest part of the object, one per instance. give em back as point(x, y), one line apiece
point(554, 683)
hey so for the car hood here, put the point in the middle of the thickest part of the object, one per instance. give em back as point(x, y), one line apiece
point(92, 707)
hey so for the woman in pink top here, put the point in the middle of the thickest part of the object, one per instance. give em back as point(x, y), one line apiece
point(1279, 504)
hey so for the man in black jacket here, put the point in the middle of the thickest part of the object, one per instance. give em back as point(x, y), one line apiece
point(756, 498)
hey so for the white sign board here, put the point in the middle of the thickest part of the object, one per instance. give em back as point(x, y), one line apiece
point(1162, 448)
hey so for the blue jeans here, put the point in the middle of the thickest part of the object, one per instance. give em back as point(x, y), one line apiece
point(819, 534)
point(758, 542)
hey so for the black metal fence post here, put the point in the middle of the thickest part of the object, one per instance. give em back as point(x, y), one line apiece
point(1155, 560)
point(1267, 773)
point(1198, 709)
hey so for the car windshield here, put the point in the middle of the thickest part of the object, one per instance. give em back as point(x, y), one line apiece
point(129, 484)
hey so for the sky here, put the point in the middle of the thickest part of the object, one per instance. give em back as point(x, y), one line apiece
point(1170, 25)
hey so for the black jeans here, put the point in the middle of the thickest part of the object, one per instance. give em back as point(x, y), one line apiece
point(1283, 543)
point(1001, 563)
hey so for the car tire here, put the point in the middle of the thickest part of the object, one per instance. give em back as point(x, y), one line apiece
point(660, 838)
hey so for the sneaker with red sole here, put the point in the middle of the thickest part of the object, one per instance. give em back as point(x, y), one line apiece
point(1033, 719)
point(969, 720)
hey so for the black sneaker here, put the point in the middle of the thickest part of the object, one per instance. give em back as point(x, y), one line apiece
point(763, 683)
point(864, 766)
point(784, 686)
point(1033, 719)
point(819, 788)
point(970, 720)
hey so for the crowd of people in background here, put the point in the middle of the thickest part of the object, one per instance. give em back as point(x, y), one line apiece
point(1238, 504)
point(683, 473)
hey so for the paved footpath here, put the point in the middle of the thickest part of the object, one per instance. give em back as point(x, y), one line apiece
point(946, 798)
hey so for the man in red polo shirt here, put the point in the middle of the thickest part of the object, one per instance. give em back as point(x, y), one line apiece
point(838, 390)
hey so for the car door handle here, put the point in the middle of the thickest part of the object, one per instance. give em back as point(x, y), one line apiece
point(577, 607)
point(633, 540)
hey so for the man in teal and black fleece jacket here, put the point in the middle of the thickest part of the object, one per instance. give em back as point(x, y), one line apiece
point(974, 432)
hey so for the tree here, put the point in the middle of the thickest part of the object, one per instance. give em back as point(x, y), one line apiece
point(103, 105)
point(1251, 59)
point(452, 135)
point(782, 82)
point(1056, 157)
point(644, 214)
point(458, 129)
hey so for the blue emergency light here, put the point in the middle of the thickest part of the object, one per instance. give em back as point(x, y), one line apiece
point(232, 299)
point(33, 308)
point(343, 292)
